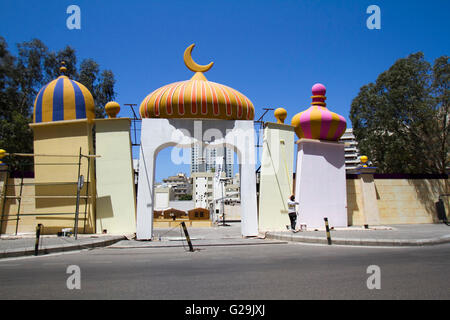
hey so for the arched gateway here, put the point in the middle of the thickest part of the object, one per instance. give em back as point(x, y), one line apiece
point(201, 112)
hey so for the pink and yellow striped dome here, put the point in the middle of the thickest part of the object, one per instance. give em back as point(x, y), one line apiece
point(318, 122)
point(197, 98)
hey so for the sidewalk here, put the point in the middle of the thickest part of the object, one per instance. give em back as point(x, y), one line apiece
point(392, 235)
point(23, 245)
point(218, 235)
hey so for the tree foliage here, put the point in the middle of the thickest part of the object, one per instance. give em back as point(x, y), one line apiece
point(401, 120)
point(23, 76)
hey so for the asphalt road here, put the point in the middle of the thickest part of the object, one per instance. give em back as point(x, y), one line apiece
point(273, 271)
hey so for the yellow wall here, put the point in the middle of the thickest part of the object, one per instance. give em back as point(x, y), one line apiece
point(26, 223)
point(56, 176)
point(409, 201)
point(400, 201)
point(354, 202)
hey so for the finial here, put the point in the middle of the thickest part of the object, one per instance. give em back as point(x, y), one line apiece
point(280, 114)
point(63, 68)
point(190, 63)
point(2, 154)
point(112, 108)
point(364, 160)
point(318, 97)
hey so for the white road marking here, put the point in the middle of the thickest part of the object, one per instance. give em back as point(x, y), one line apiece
point(347, 245)
point(41, 256)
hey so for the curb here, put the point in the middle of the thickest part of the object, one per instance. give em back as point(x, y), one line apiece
point(196, 245)
point(361, 242)
point(13, 253)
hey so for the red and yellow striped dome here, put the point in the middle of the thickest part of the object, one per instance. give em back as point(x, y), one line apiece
point(197, 98)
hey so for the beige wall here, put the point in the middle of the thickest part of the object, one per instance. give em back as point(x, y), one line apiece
point(116, 199)
point(354, 203)
point(275, 185)
point(26, 223)
point(400, 201)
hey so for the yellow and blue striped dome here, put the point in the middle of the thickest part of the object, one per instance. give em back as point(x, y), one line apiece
point(63, 99)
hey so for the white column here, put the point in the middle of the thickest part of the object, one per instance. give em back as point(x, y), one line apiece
point(159, 133)
point(320, 185)
point(244, 138)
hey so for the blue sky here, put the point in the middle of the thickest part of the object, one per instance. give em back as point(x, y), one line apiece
point(272, 51)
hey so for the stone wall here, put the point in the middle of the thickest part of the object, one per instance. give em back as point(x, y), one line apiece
point(401, 199)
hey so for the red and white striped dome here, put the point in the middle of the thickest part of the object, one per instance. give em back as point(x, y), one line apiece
point(197, 98)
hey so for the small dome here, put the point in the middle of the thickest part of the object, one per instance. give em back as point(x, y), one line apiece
point(318, 122)
point(112, 108)
point(197, 98)
point(63, 99)
point(280, 114)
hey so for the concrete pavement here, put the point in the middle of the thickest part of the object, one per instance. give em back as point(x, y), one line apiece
point(392, 235)
point(230, 235)
point(259, 272)
point(23, 245)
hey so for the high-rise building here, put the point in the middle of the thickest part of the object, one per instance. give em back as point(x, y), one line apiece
point(212, 159)
point(351, 150)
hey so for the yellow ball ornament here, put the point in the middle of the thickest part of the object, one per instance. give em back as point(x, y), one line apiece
point(112, 108)
point(280, 114)
point(2, 154)
point(364, 160)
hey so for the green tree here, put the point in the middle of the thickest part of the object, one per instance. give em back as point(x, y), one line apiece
point(23, 76)
point(100, 85)
point(441, 90)
point(186, 197)
point(400, 121)
point(16, 91)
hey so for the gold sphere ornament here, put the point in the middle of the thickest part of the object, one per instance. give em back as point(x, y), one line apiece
point(63, 68)
point(364, 160)
point(280, 114)
point(2, 154)
point(112, 108)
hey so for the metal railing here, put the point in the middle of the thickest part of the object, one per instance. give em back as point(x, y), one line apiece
point(6, 216)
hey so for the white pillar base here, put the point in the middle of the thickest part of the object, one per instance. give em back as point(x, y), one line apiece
point(320, 185)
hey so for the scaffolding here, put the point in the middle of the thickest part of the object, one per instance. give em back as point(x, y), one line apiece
point(7, 216)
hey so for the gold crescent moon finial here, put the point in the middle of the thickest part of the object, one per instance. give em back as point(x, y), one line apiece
point(190, 63)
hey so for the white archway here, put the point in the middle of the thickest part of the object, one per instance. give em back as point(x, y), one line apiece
point(157, 134)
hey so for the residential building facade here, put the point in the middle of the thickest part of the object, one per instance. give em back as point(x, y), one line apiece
point(351, 150)
point(180, 184)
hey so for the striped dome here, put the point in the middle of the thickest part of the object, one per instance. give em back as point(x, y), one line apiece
point(317, 122)
point(197, 98)
point(63, 99)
